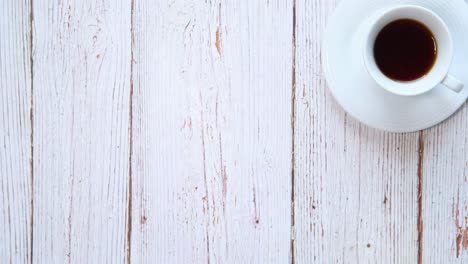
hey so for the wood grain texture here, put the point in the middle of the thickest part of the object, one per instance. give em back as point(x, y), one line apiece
point(15, 132)
point(183, 131)
point(445, 192)
point(355, 187)
point(212, 132)
point(81, 140)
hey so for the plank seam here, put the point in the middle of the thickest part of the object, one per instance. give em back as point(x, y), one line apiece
point(420, 225)
point(31, 136)
point(293, 121)
point(130, 138)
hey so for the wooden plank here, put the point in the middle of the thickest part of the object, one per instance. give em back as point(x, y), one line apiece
point(355, 188)
point(445, 192)
point(211, 167)
point(15, 132)
point(81, 123)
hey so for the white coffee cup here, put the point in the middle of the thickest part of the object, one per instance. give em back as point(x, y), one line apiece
point(439, 74)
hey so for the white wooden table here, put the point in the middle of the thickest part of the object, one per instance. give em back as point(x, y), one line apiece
point(189, 131)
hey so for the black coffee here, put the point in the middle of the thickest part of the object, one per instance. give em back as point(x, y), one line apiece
point(405, 50)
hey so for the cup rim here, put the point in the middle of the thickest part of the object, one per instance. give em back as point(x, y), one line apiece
point(414, 87)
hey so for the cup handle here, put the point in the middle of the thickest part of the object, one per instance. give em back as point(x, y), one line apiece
point(452, 83)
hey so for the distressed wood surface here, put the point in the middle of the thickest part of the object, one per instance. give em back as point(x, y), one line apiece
point(81, 138)
point(445, 192)
point(365, 196)
point(356, 188)
point(211, 132)
point(203, 132)
point(15, 132)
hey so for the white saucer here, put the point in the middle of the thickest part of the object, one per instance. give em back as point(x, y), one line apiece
point(360, 95)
